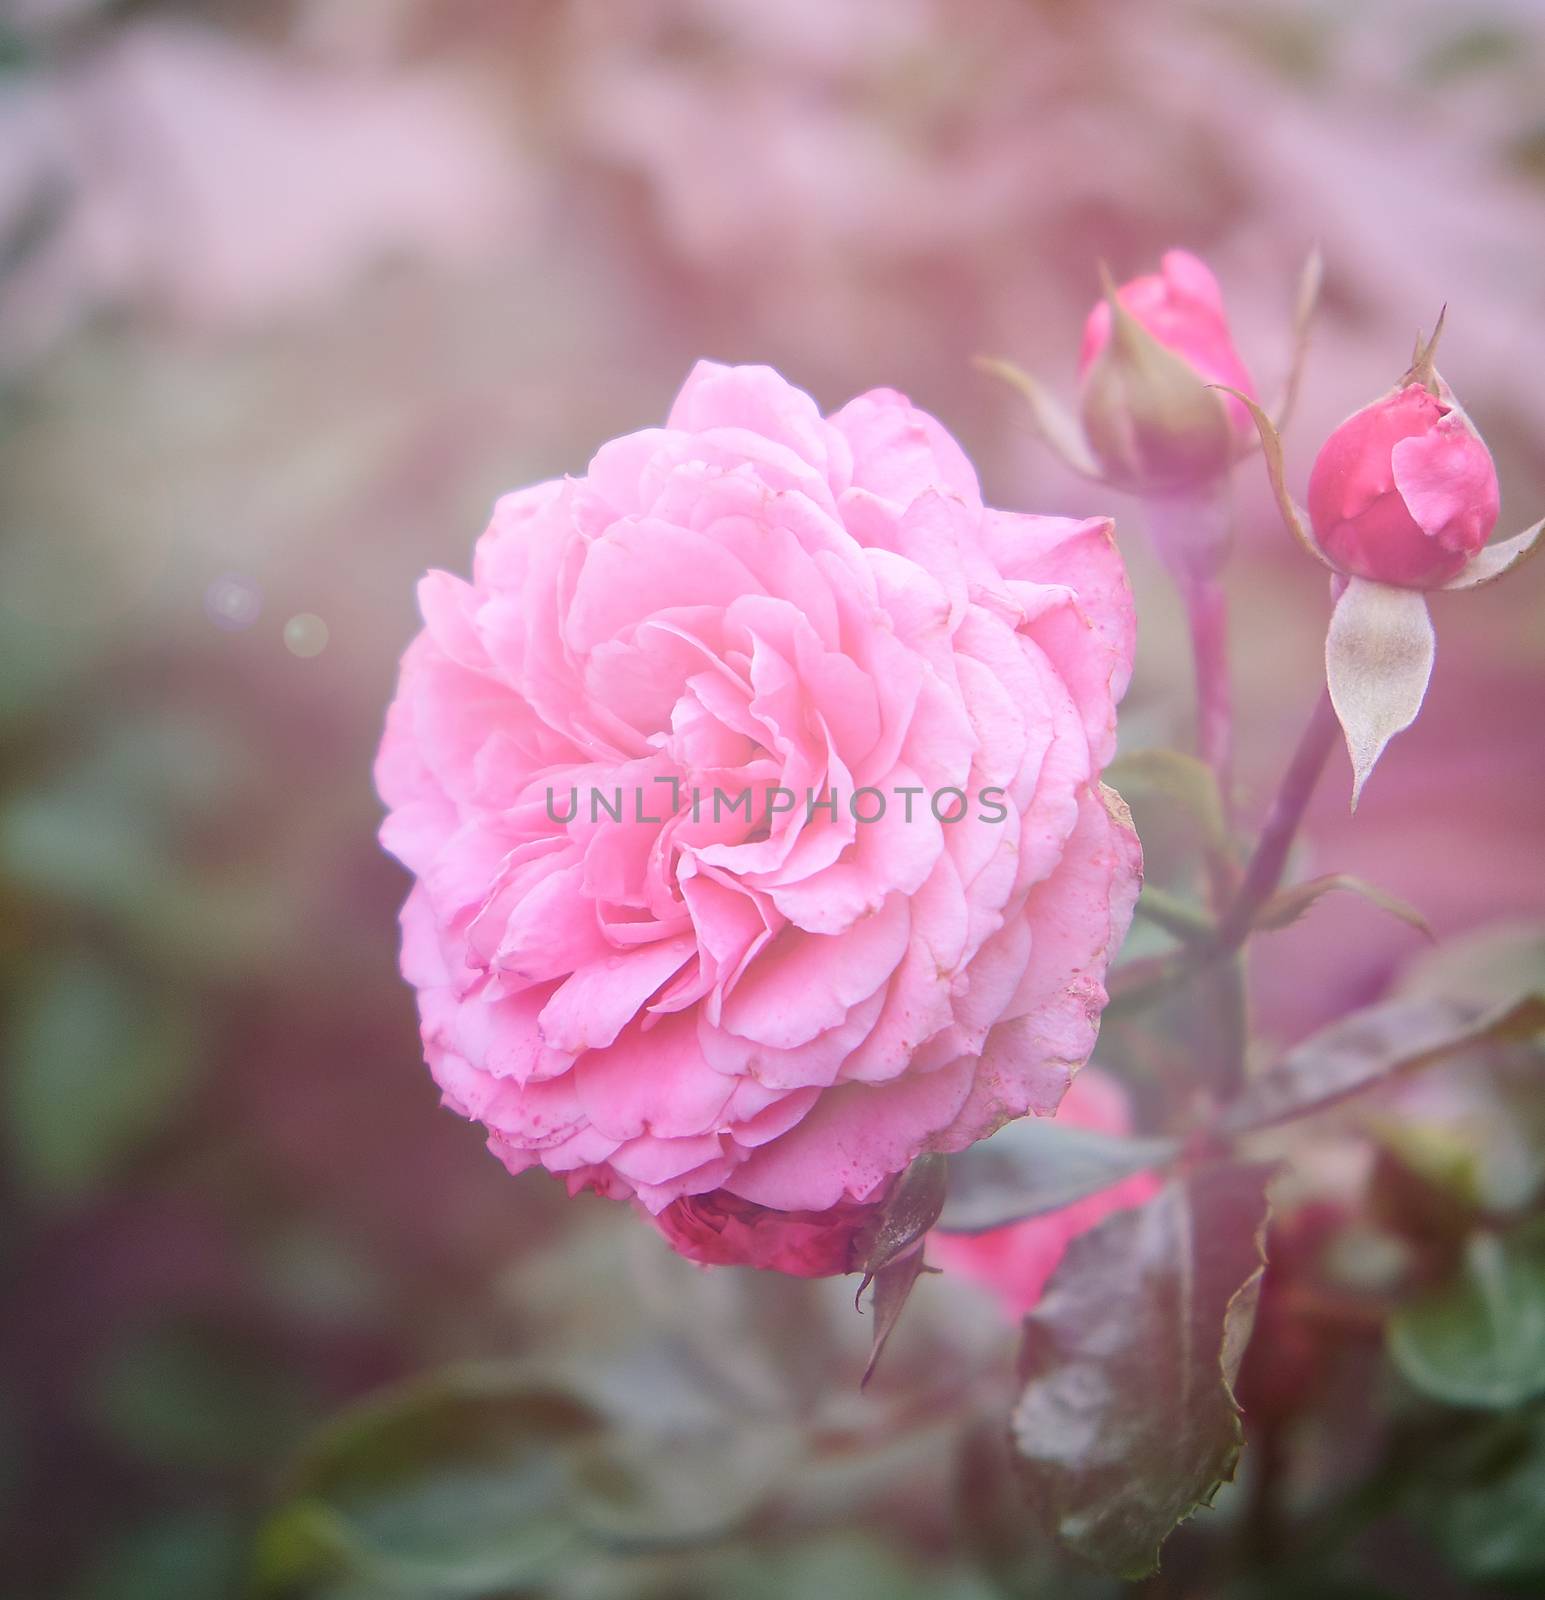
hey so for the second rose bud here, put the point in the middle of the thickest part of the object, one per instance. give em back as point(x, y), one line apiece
point(1151, 350)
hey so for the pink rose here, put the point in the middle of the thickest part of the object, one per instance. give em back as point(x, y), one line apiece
point(1015, 1262)
point(740, 1012)
point(1156, 429)
point(1404, 491)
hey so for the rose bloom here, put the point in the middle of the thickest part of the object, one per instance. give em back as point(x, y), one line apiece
point(749, 1026)
point(1405, 490)
point(1015, 1262)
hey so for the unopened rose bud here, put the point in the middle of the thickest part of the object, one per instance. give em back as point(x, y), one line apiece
point(1402, 498)
point(1151, 349)
point(1405, 491)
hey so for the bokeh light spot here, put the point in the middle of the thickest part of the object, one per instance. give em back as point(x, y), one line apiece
point(305, 635)
point(233, 602)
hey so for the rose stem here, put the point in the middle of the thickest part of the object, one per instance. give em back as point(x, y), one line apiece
point(1146, 979)
point(1269, 859)
point(1207, 613)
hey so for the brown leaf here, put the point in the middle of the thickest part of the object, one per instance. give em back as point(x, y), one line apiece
point(1372, 1045)
point(910, 1211)
point(892, 1289)
point(1127, 1423)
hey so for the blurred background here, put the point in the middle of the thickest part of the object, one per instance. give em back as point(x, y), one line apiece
point(290, 291)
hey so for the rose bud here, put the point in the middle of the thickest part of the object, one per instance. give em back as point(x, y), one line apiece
point(1405, 491)
point(1151, 349)
point(1402, 498)
point(1015, 1261)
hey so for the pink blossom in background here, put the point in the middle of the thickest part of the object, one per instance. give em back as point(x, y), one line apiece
point(1405, 491)
point(214, 183)
point(1015, 1262)
point(840, 170)
point(783, 1011)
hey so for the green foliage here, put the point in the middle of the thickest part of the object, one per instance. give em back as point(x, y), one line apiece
point(1473, 1128)
point(1479, 1339)
point(96, 1066)
point(183, 1394)
point(456, 1485)
point(729, 1416)
point(189, 1555)
point(1485, 1507)
point(1175, 803)
point(477, 1480)
point(640, 1491)
point(1476, 49)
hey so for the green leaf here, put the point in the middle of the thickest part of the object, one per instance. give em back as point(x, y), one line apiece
point(192, 1393)
point(96, 1066)
point(857, 1562)
point(186, 1555)
point(1288, 905)
point(458, 1485)
point(1372, 1046)
point(1378, 658)
point(1127, 1422)
point(1480, 1339)
point(636, 1492)
point(1473, 1128)
point(1036, 1165)
point(1179, 918)
point(1491, 1526)
point(1486, 47)
point(1173, 781)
